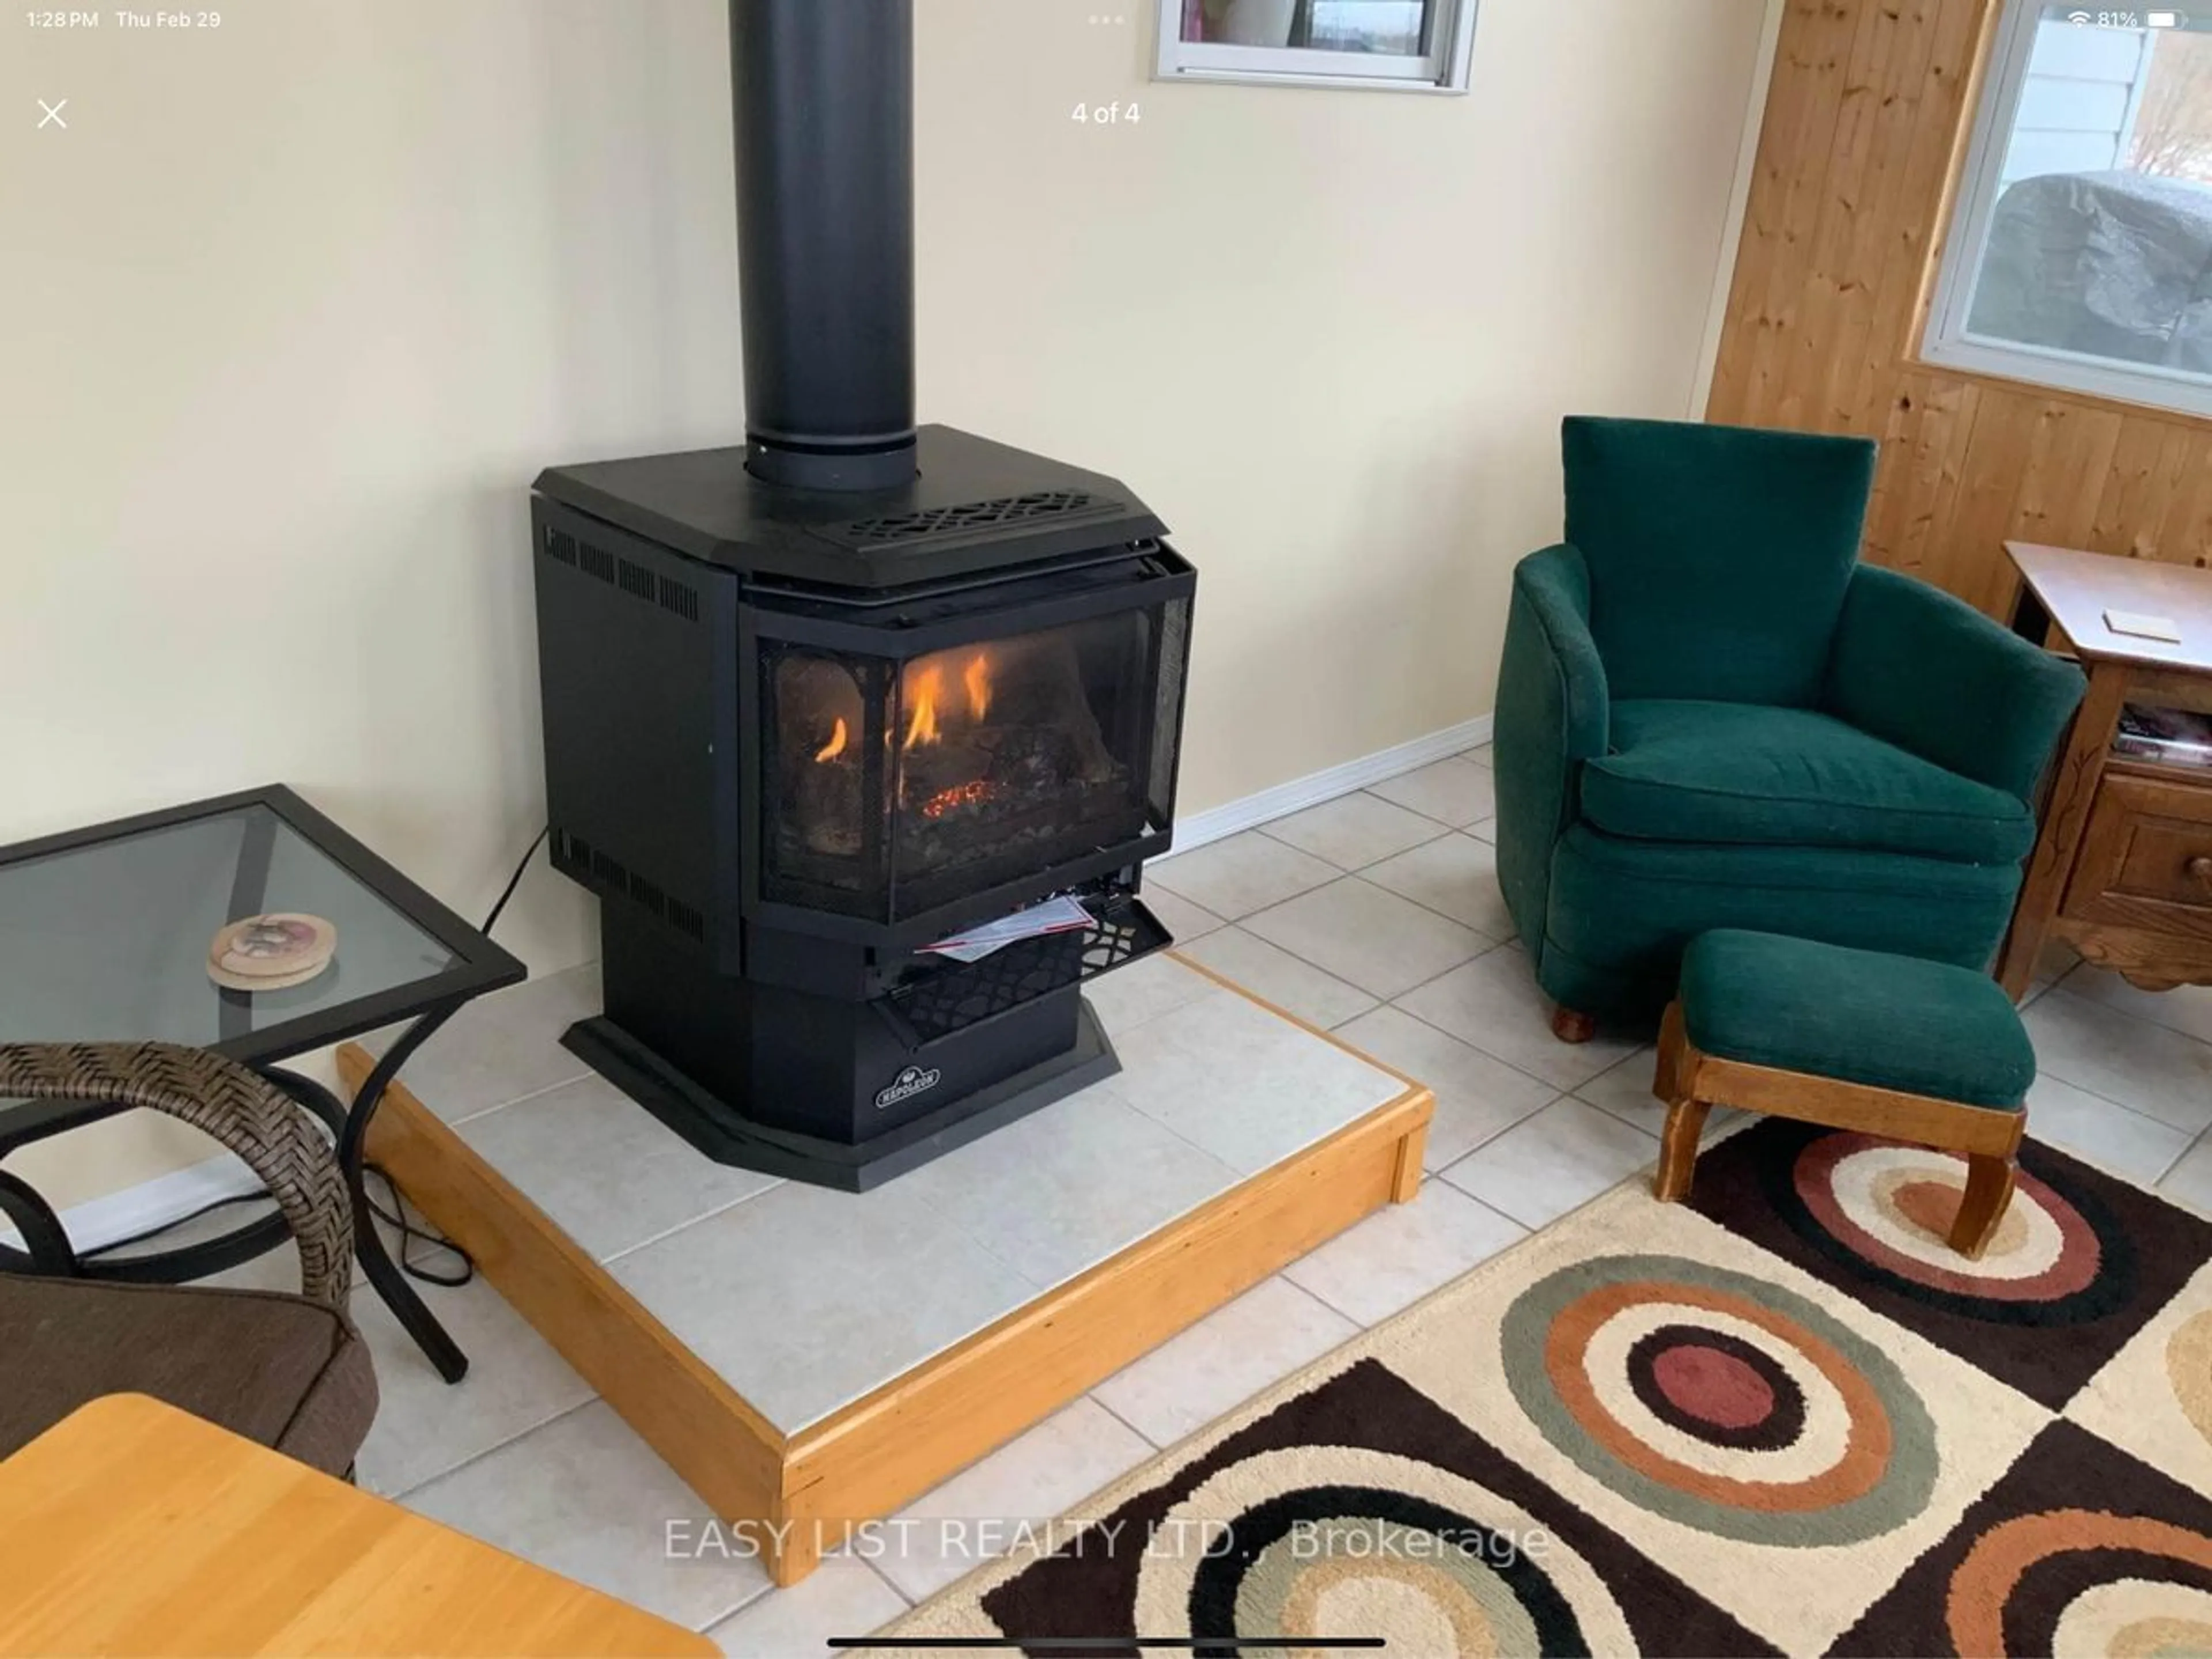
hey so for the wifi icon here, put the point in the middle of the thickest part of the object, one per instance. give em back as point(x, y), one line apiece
point(2081, 17)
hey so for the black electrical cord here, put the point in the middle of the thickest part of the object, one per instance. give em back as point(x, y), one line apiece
point(115, 1244)
point(514, 880)
point(409, 1232)
point(397, 1215)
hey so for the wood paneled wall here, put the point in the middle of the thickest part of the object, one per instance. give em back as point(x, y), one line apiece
point(1867, 124)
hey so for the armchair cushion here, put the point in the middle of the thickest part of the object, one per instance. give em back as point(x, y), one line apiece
point(280, 1370)
point(1718, 555)
point(1741, 773)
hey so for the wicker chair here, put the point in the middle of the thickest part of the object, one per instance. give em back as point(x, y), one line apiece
point(288, 1371)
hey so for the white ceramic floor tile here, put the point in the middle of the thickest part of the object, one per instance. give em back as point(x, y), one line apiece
point(2152, 1068)
point(1354, 830)
point(1185, 920)
point(2059, 959)
point(425, 1426)
point(1274, 975)
point(1243, 873)
point(1375, 940)
point(1243, 1085)
point(500, 1047)
point(1480, 754)
point(1127, 997)
point(2127, 1143)
point(2190, 1182)
point(1060, 1190)
point(2186, 1008)
point(1563, 1156)
point(804, 1298)
point(1396, 1256)
point(1624, 1090)
point(843, 1596)
point(1483, 829)
point(1272, 1330)
point(608, 1171)
point(587, 1498)
point(1493, 1003)
point(1455, 875)
point(1033, 1478)
point(1457, 792)
point(1477, 1096)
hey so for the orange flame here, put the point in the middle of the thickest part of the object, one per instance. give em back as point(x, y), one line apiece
point(834, 747)
point(976, 677)
point(921, 724)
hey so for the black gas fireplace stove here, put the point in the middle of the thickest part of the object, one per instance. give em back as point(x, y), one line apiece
point(817, 704)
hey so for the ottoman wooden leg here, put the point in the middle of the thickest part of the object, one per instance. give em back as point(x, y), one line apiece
point(1669, 1078)
point(1989, 1193)
point(1677, 1150)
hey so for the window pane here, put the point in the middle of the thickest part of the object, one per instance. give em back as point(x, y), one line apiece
point(1392, 28)
point(2101, 241)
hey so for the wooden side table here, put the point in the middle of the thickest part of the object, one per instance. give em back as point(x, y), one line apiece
point(131, 1528)
point(2123, 868)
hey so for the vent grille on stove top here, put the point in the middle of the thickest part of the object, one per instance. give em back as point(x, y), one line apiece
point(898, 528)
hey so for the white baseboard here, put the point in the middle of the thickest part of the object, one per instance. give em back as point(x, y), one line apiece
point(1200, 828)
point(168, 1199)
point(150, 1203)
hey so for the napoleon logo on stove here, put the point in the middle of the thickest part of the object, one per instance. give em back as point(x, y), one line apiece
point(909, 1083)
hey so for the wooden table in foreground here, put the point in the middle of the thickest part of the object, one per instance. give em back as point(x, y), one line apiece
point(2123, 868)
point(131, 1528)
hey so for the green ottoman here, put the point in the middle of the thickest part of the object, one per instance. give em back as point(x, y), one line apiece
point(1892, 1046)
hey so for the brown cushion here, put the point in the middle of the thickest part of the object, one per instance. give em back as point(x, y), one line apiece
point(279, 1370)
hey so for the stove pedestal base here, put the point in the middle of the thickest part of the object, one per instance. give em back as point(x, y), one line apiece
point(724, 1132)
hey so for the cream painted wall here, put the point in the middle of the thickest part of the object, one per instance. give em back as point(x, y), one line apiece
point(293, 309)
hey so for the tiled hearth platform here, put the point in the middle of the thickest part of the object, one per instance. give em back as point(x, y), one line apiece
point(813, 1358)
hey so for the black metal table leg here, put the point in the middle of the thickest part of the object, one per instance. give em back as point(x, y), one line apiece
point(47, 1250)
point(384, 1274)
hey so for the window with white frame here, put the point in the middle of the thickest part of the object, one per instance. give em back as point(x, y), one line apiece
point(2080, 255)
point(1421, 45)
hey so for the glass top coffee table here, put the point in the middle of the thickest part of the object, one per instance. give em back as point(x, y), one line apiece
point(104, 937)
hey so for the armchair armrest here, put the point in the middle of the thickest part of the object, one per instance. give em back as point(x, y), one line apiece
point(1553, 714)
point(1916, 667)
point(278, 1141)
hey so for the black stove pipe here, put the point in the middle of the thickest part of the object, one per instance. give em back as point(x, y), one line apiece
point(823, 105)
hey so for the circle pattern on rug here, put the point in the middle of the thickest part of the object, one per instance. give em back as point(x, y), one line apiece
point(1725, 1403)
point(1717, 1386)
point(2189, 1368)
point(1319, 1541)
point(1884, 1210)
point(2080, 1582)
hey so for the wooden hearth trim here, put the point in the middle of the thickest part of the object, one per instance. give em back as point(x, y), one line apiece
point(868, 1459)
point(702, 1428)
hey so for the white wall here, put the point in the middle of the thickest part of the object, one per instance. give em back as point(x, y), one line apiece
point(294, 309)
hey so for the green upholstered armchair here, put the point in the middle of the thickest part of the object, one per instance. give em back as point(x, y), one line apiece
point(1710, 714)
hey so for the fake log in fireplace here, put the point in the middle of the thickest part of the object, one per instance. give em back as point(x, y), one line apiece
point(817, 704)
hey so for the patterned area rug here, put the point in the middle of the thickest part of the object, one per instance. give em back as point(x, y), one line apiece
point(1784, 1418)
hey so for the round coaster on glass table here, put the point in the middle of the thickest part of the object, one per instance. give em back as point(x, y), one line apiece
point(269, 952)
